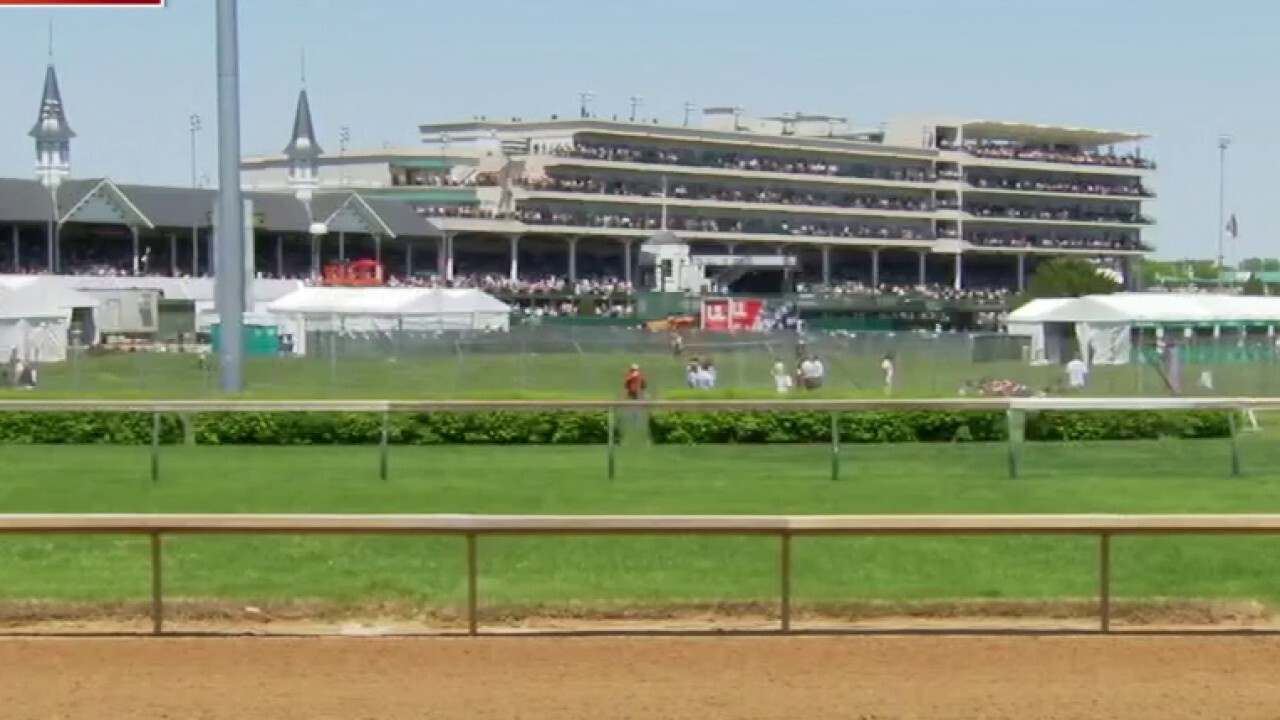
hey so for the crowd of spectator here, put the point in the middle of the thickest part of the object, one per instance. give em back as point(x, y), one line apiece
point(1092, 187)
point(1050, 154)
point(698, 191)
point(653, 221)
point(1106, 241)
point(1077, 213)
point(905, 290)
point(740, 161)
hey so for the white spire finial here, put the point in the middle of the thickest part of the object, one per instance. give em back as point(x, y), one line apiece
point(50, 41)
point(302, 67)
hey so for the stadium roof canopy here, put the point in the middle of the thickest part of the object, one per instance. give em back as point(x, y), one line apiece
point(1047, 134)
point(1163, 308)
point(101, 201)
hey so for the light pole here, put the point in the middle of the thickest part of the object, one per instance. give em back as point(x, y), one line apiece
point(584, 103)
point(344, 137)
point(636, 102)
point(195, 125)
point(688, 110)
point(229, 270)
point(1224, 142)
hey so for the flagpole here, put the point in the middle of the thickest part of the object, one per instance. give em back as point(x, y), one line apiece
point(1224, 142)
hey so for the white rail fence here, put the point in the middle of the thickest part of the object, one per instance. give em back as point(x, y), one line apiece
point(472, 528)
point(1015, 409)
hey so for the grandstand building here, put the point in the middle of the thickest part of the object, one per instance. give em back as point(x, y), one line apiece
point(958, 203)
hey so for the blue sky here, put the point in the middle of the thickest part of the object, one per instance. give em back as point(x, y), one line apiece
point(1182, 70)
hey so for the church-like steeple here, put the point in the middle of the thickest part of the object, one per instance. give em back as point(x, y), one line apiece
point(52, 133)
point(303, 151)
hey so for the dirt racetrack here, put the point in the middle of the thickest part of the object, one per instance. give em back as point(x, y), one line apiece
point(639, 678)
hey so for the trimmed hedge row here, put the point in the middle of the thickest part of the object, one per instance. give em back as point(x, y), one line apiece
point(591, 428)
point(931, 426)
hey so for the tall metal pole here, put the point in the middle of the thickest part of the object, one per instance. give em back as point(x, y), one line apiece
point(196, 125)
point(1224, 142)
point(229, 275)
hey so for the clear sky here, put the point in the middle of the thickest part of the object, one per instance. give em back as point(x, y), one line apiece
point(1182, 70)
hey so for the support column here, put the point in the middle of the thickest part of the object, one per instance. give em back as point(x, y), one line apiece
point(444, 257)
point(627, 263)
point(922, 274)
point(342, 247)
point(731, 248)
point(173, 255)
point(195, 252)
point(15, 236)
point(1022, 272)
point(573, 259)
point(959, 272)
point(377, 248)
point(280, 256)
point(51, 241)
point(875, 267)
point(513, 273)
point(408, 258)
point(137, 250)
point(315, 256)
point(826, 265)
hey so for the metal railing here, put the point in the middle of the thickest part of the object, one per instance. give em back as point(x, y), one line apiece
point(784, 528)
point(1015, 409)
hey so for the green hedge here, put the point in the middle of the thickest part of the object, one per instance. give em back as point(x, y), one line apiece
point(591, 428)
point(487, 428)
point(930, 426)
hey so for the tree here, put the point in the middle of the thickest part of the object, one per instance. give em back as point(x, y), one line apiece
point(1067, 277)
point(1254, 286)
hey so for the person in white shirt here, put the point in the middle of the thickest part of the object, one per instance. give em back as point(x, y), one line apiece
point(693, 374)
point(811, 372)
point(781, 378)
point(1077, 373)
point(707, 375)
point(887, 370)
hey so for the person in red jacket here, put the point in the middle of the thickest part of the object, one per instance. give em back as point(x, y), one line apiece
point(634, 383)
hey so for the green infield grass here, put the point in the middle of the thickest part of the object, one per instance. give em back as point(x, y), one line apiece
point(1149, 477)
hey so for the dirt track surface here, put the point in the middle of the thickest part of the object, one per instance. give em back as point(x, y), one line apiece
point(640, 678)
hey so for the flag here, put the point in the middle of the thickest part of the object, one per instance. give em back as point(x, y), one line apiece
point(1233, 227)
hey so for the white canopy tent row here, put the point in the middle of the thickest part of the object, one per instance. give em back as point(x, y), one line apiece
point(36, 318)
point(385, 316)
point(1103, 326)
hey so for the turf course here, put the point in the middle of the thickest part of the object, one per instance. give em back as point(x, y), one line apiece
point(587, 375)
point(1150, 477)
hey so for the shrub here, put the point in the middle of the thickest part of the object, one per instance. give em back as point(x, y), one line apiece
point(591, 428)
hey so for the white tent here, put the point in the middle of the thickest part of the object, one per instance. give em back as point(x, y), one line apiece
point(1104, 324)
point(382, 310)
point(35, 317)
point(1028, 321)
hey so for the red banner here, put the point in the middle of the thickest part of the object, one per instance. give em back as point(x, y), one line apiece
point(724, 315)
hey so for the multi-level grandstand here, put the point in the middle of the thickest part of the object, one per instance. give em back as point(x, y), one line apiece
point(912, 218)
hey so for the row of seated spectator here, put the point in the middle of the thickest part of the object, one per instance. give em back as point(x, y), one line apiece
point(601, 286)
point(740, 161)
point(463, 211)
point(1129, 189)
point(1050, 153)
point(650, 221)
point(1057, 213)
point(1013, 240)
point(695, 191)
point(906, 290)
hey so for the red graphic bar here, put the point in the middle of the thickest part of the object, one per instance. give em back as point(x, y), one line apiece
point(82, 3)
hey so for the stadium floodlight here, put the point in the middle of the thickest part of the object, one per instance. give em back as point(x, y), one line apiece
point(584, 102)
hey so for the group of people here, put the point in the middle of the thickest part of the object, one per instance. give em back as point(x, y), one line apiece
point(1105, 241)
point(678, 222)
point(1051, 154)
point(741, 161)
point(700, 191)
point(1057, 213)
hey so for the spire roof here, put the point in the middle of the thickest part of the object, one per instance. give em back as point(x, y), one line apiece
point(51, 124)
point(302, 144)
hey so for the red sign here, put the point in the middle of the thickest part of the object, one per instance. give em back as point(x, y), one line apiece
point(83, 3)
point(724, 315)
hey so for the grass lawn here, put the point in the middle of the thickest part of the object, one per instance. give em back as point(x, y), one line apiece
point(584, 375)
point(1170, 476)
